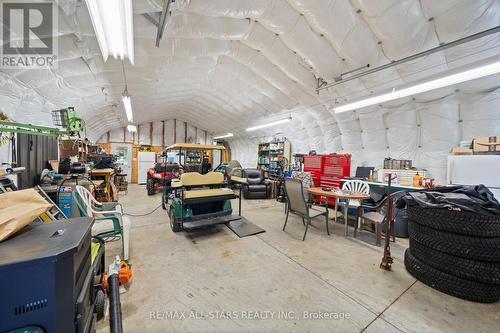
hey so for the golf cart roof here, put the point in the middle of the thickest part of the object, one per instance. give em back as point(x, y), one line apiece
point(194, 146)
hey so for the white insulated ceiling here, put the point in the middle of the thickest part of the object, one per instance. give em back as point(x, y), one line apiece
point(226, 64)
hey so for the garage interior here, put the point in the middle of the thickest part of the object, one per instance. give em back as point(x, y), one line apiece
point(250, 166)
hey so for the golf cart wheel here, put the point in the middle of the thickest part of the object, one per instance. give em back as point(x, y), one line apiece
point(176, 226)
point(150, 186)
point(100, 304)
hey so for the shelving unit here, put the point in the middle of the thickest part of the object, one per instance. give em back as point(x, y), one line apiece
point(270, 154)
point(193, 157)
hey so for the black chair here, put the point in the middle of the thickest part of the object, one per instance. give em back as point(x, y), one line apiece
point(257, 187)
point(298, 205)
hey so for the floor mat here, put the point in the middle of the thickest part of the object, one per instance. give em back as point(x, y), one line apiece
point(244, 228)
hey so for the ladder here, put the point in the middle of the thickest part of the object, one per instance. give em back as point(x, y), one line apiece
point(55, 213)
point(6, 185)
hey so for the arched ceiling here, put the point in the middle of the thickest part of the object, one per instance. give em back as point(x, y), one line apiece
point(223, 64)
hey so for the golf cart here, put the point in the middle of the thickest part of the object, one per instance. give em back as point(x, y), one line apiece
point(189, 157)
point(198, 201)
point(199, 197)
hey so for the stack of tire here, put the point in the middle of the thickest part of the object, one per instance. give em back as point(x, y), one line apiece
point(456, 252)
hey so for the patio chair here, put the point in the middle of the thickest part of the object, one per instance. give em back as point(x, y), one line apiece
point(109, 219)
point(358, 186)
point(298, 205)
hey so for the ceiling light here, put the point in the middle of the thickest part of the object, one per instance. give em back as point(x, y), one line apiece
point(113, 26)
point(269, 124)
point(442, 82)
point(228, 135)
point(131, 128)
point(127, 104)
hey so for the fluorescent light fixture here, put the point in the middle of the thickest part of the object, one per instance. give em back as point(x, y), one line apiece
point(127, 104)
point(228, 135)
point(131, 128)
point(269, 124)
point(113, 25)
point(442, 82)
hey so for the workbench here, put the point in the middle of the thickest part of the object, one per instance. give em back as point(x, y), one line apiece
point(105, 174)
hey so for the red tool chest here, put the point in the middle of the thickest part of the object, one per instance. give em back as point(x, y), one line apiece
point(328, 170)
point(314, 165)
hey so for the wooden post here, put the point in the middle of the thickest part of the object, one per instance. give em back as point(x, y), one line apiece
point(205, 137)
point(151, 133)
point(175, 130)
point(185, 132)
point(108, 135)
point(163, 134)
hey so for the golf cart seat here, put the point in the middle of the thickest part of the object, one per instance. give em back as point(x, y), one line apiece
point(207, 187)
point(205, 193)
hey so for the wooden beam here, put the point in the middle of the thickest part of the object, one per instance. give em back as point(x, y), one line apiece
point(206, 138)
point(151, 133)
point(175, 130)
point(163, 134)
point(185, 132)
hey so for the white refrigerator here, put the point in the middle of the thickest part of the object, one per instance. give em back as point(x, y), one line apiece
point(475, 170)
point(145, 160)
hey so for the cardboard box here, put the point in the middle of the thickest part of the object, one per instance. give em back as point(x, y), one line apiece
point(486, 145)
point(461, 151)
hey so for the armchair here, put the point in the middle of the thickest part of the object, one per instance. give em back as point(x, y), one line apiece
point(257, 187)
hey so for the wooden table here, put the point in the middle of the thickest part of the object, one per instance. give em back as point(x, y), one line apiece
point(339, 194)
point(106, 174)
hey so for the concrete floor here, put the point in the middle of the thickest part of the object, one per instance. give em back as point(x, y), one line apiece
point(274, 282)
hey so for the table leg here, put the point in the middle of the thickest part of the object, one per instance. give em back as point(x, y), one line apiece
point(336, 207)
point(239, 202)
point(346, 209)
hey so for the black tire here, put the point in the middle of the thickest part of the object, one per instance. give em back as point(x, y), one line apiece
point(163, 202)
point(459, 222)
point(449, 284)
point(481, 271)
point(100, 304)
point(150, 186)
point(475, 248)
point(174, 224)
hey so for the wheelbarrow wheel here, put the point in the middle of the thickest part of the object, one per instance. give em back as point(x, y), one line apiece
point(174, 224)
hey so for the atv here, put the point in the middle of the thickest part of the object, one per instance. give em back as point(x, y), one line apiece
point(159, 175)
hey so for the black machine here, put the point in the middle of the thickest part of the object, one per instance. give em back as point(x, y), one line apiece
point(364, 172)
point(54, 275)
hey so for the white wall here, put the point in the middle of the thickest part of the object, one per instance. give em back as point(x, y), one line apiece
point(422, 132)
